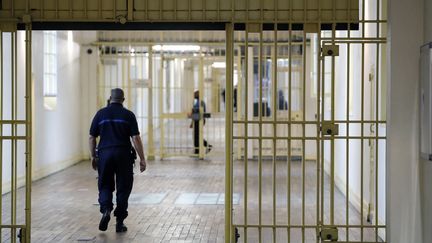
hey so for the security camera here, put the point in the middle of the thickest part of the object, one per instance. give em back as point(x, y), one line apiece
point(89, 51)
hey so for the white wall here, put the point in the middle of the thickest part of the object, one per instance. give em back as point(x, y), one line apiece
point(426, 166)
point(57, 141)
point(405, 38)
point(88, 101)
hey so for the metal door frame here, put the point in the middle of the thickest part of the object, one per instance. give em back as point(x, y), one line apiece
point(24, 229)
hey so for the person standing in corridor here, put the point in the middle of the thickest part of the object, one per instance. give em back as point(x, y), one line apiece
point(114, 159)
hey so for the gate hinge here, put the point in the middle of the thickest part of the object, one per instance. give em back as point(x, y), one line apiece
point(330, 50)
point(329, 234)
point(328, 128)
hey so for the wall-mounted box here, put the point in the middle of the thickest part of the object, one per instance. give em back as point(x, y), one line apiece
point(426, 102)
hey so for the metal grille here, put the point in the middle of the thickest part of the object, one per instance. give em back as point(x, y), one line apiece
point(159, 83)
point(15, 133)
point(309, 168)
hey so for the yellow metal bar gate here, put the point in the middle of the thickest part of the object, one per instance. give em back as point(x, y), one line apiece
point(15, 133)
point(304, 163)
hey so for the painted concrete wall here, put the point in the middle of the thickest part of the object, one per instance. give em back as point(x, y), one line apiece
point(405, 38)
point(56, 144)
point(426, 166)
point(89, 80)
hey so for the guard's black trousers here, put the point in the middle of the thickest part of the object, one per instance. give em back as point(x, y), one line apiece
point(115, 163)
point(196, 137)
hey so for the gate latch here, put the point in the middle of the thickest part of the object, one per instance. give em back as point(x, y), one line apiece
point(329, 234)
point(330, 50)
point(329, 128)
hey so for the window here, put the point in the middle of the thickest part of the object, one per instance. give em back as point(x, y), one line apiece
point(50, 70)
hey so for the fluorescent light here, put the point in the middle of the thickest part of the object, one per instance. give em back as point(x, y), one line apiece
point(219, 65)
point(176, 48)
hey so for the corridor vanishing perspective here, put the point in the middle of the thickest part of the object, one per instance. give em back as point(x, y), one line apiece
point(261, 121)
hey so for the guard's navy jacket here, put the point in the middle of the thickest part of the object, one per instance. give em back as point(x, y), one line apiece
point(115, 125)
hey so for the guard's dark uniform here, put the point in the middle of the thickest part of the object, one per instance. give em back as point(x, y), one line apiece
point(115, 125)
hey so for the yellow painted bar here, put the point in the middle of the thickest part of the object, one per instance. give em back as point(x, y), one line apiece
point(246, 132)
point(332, 142)
point(160, 98)
point(347, 145)
point(13, 141)
point(260, 73)
point(201, 108)
point(318, 128)
point(29, 133)
point(275, 94)
point(228, 131)
point(322, 74)
point(303, 135)
point(289, 134)
point(151, 152)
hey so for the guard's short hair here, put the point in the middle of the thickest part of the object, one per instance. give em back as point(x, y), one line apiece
point(117, 95)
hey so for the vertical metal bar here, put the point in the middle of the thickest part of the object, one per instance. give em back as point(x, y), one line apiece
point(362, 121)
point(275, 86)
point(320, 141)
point(126, 79)
point(29, 124)
point(239, 99)
point(289, 128)
point(200, 100)
point(318, 128)
point(13, 141)
point(160, 98)
point(70, 9)
point(376, 140)
point(57, 8)
point(151, 153)
point(246, 132)
point(323, 91)
point(377, 95)
point(146, 9)
point(347, 139)
point(228, 131)
point(129, 8)
point(189, 10)
point(347, 142)
point(332, 169)
point(260, 58)
point(85, 8)
point(12, 8)
point(100, 9)
point(304, 134)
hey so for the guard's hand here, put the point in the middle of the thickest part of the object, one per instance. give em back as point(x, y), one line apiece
point(143, 165)
point(94, 162)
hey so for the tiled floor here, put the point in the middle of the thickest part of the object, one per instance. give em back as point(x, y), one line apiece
point(178, 200)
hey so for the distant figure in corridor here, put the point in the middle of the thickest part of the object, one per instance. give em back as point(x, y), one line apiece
point(196, 116)
point(114, 159)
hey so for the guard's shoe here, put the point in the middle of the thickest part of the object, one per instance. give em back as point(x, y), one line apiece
point(103, 224)
point(208, 149)
point(120, 227)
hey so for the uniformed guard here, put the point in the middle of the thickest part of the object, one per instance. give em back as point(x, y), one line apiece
point(114, 159)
